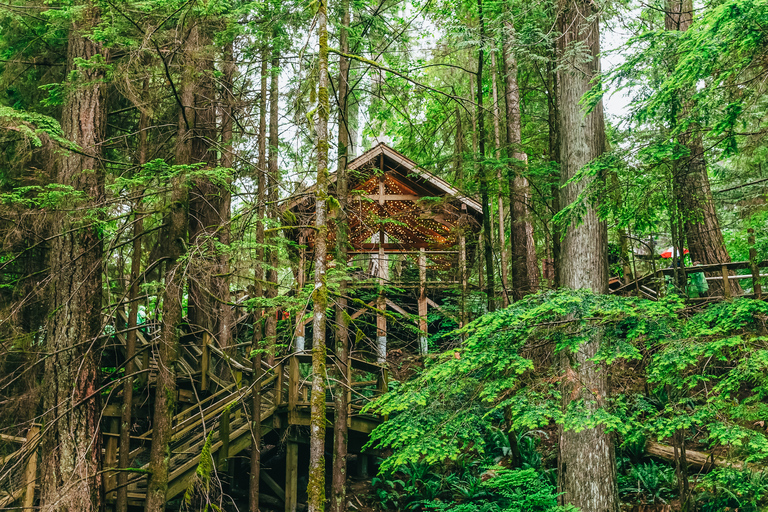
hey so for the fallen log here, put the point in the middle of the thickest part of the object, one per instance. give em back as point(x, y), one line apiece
point(701, 460)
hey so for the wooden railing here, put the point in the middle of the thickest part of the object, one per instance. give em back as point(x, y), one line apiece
point(653, 285)
point(22, 464)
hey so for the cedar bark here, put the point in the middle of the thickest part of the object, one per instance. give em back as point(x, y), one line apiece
point(72, 441)
point(690, 179)
point(525, 274)
point(340, 431)
point(258, 334)
point(587, 460)
point(316, 485)
point(175, 235)
point(490, 283)
point(121, 504)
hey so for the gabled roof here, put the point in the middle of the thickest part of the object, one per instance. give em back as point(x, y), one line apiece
point(414, 172)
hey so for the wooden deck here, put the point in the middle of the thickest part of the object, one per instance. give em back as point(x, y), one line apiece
point(222, 418)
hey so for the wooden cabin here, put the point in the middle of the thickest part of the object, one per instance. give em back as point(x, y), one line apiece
point(409, 231)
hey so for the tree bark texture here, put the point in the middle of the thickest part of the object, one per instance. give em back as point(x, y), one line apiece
point(340, 432)
point(316, 485)
point(690, 179)
point(525, 273)
point(273, 184)
point(587, 460)
point(72, 441)
point(490, 284)
point(175, 236)
point(121, 504)
point(506, 292)
point(258, 335)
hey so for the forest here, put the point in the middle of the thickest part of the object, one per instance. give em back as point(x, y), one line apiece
point(372, 255)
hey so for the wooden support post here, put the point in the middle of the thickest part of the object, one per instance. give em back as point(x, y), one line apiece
point(726, 282)
point(756, 287)
point(381, 304)
point(463, 269)
point(30, 469)
point(291, 476)
point(280, 369)
point(300, 327)
point(110, 456)
point(224, 439)
point(205, 362)
point(144, 376)
point(422, 302)
point(293, 388)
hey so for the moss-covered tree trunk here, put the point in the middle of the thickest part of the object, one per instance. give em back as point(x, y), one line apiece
point(691, 187)
point(72, 441)
point(273, 185)
point(587, 459)
point(121, 504)
point(525, 274)
point(174, 234)
point(258, 323)
point(490, 282)
point(316, 485)
point(340, 432)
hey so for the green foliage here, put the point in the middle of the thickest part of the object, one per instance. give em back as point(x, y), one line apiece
point(705, 373)
point(732, 489)
point(647, 482)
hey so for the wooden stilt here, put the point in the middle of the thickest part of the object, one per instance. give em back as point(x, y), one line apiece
point(463, 270)
point(224, 438)
point(205, 362)
point(110, 456)
point(291, 475)
point(422, 302)
point(30, 470)
point(756, 288)
point(300, 329)
point(726, 282)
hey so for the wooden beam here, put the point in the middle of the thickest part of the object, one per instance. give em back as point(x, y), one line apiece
point(30, 470)
point(423, 303)
point(273, 485)
point(291, 476)
point(382, 198)
point(205, 362)
point(398, 309)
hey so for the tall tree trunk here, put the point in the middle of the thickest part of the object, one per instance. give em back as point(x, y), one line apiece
point(121, 504)
point(316, 485)
point(554, 156)
point(72, 442)
point(587, 458)
point(525, 274)
point(690, 179)
point(490, 283)
point(224, 316)
point(258, 336)
point(497, 154)
point(175, 236)
point(273, 177)
point(340, 434)
point(206, 198)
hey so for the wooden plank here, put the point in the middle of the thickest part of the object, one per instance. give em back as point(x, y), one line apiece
point(293, 386)
point(726, 282)
point(273, 485)
point(224, 438)
point(205, 362)
point(392, 197)
point(30, 470)
point(291, 476)
point(398, 309)
point(110, 456)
